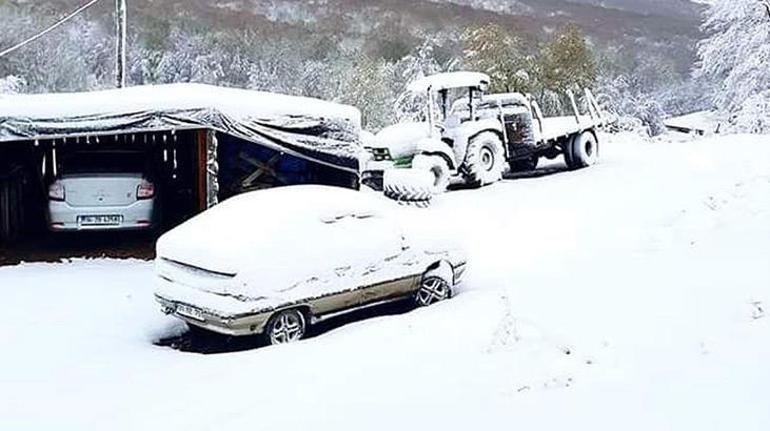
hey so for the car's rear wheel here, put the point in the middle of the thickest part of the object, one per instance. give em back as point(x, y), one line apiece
point(433, 289)
point(286, 326)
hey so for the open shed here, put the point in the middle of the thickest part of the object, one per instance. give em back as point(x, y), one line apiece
point(205, 143)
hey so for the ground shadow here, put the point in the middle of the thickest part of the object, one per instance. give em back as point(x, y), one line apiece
point(544, 171)
point(537, 173)
point(204, 342)
point(55, 247)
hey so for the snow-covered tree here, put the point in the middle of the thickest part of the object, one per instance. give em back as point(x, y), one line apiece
point(77, 57)
point(736, 55)
point(566, 62)
point(368, 90)
point(420, 63)
point(499, 53)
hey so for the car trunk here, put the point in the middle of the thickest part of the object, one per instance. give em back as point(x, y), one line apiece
point(101, 191)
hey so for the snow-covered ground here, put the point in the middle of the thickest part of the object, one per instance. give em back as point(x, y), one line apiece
point(630, 296)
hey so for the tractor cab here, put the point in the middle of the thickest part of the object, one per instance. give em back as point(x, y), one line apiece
point(451, 97)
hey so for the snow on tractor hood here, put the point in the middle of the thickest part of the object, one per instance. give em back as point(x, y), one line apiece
point(310, 128)
point(402, 139)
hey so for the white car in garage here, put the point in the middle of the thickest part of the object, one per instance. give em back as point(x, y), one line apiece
point(102, 190)
point(274, 261)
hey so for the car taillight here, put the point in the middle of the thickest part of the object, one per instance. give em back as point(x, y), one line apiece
point(56, 191)
point(146, 190)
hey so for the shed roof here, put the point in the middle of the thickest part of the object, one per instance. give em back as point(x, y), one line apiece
point(315, 129)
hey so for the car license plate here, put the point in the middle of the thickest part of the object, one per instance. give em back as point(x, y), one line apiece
point(100, 220)
point(191, 312)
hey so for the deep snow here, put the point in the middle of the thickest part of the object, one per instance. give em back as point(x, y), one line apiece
point(631, 295)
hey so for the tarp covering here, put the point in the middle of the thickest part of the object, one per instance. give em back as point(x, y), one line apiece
point(313, 129)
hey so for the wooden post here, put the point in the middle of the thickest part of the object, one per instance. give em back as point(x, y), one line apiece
point(207, 169)
point(212, 169)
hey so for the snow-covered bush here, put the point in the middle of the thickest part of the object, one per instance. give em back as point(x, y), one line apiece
point(753, 116)
point(736, 55)
point(636, 110)
point(12, 85)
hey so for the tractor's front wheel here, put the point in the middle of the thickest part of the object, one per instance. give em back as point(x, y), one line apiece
point(484, 160)
point(438, 167)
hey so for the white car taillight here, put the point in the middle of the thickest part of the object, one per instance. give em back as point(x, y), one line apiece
point(56, 191)
point(146, 190)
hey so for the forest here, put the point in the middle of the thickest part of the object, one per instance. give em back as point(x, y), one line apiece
point(348, 55)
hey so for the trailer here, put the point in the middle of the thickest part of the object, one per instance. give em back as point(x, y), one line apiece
point(469, 136)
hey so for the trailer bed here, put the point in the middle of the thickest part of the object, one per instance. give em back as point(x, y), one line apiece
point(555, 128)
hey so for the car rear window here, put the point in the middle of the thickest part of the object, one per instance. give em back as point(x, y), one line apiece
point(104, 163)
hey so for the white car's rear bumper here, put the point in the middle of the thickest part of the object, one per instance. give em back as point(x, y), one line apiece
point(64, 217)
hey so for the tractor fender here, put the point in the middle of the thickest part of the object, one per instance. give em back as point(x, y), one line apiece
point(463, 134)
point(437, 147)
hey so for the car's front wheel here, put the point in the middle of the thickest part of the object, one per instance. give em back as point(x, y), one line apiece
point(286, 326)
point(433, 289)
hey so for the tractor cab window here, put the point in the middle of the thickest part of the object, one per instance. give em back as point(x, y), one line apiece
point(465, 101)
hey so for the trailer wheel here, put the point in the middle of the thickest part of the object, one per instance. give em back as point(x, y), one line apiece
point(484, 160)
point(582, 151)
point(409, 186)
point(438, 167)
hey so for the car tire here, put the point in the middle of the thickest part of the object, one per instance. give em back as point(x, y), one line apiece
point(409, 186)
point(438, 167)
point(484, 160)
point(432, 289)
point(525, 165)
point(285, 327)
point(582, 151)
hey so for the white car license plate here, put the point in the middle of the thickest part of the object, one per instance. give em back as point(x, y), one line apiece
point(191, 312)
point(100, 220)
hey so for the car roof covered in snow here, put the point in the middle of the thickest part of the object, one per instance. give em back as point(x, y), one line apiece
point(279, 221)
point(322, 203)
point(444, 81)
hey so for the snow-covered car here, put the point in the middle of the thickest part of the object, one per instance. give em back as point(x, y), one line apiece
point(102, 190)
point(274, 261)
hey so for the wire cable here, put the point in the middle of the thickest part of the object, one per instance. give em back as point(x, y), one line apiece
point(53, 27)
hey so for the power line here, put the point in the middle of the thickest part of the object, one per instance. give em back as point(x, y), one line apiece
point(56, 25)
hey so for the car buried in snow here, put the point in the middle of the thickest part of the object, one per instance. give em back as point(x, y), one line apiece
point(273, 262)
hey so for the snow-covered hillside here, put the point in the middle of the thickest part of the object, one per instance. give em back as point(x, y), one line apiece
point(632, 295)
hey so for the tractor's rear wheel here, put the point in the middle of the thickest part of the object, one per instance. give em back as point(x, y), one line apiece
point(484, 160)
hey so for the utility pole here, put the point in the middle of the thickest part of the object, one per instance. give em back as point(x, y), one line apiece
point(120, 26)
